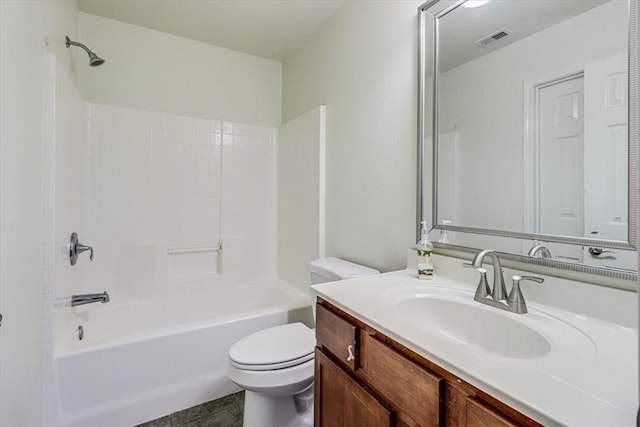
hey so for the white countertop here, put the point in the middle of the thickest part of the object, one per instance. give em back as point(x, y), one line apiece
point(591, 381)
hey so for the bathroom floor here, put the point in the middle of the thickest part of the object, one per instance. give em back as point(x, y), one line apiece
point(226, 411)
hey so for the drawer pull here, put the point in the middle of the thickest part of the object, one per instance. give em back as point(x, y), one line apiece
point(350, 357)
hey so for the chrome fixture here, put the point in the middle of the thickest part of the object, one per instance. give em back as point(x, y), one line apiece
point(516, 300)
point(542, 250)
point(89, 298)
point(76, 248)
point(496, 295)
point(94, 60)
point(499, 290)
point(599, 251)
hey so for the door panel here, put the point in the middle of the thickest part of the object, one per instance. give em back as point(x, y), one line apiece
point(561, 174)
point(606, 153)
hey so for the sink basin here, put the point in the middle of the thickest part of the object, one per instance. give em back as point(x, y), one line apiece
point(476, 326)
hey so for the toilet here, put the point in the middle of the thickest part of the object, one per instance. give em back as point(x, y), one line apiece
point(275, 366)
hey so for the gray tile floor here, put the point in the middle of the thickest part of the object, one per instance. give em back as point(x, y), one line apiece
point(223, 412)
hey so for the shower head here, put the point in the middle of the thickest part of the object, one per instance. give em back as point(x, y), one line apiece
point(94, 60)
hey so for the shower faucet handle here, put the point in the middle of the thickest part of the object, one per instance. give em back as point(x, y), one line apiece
point(76, 248)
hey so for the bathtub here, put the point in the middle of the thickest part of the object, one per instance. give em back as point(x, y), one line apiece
point(140, 360)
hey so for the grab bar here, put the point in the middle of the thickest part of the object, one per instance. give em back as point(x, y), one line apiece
point(179, 251)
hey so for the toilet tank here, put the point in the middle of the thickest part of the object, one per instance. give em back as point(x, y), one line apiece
point(331, 269)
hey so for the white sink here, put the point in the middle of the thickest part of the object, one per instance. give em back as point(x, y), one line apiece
point(481, 329)
point(453, 316)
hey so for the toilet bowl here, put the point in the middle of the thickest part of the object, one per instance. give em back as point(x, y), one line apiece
point(275, 366)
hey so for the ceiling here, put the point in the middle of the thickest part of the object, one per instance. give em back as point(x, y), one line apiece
point(271, 29)
point(463, 26)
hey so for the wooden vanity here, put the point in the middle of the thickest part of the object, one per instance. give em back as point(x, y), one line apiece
point(364, 378)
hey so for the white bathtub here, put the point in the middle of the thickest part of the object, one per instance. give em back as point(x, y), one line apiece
point(140, 360)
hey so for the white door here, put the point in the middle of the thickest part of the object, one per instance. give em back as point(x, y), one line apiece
point(561, 171)
point(606, 154)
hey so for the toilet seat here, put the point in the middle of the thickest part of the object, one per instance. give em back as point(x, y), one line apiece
point(274, 348)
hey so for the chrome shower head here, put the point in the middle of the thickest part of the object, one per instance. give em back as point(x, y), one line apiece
point(94, 60)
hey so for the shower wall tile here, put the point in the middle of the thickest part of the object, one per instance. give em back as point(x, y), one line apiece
point(156, 177)
point(249, 191)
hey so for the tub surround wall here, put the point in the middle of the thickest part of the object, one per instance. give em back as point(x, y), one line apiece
point(155, 71)
point(159, 180)
point(301, 196)
point(371, 125)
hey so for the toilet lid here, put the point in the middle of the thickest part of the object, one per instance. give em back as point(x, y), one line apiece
point(274, 348)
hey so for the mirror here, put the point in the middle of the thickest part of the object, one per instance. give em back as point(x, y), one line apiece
point(529, 124)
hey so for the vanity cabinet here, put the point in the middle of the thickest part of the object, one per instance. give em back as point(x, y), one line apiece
point(364, 378)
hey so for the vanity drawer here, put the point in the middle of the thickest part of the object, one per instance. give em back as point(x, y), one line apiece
point(337, 336)
point(413, 389)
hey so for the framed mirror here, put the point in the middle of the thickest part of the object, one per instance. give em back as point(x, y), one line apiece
point(528, 130)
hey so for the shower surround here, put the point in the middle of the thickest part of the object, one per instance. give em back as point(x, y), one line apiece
point(181, 213)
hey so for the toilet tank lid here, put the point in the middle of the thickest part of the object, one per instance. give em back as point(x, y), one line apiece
point(332, 266)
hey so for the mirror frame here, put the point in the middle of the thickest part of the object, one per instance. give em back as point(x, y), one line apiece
point(430, 19)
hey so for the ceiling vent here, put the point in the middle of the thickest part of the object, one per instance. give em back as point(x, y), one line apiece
point(494, 37)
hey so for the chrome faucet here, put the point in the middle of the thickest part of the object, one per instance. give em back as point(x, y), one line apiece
point(496, 295)
point(542, 250)
point(499, 290)
point(89, 298)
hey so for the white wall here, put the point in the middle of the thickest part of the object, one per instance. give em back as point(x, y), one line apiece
point(155, 71)
point(23, 29)
point(301, 196)
point(362, 64)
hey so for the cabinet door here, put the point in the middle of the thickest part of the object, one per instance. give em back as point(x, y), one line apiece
point(412, 389)
point(341, 401)
point(480, 414)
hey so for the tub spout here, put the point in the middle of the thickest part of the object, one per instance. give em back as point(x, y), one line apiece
point(89, 298)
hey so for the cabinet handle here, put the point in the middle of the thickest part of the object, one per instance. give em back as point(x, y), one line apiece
point(350, 357)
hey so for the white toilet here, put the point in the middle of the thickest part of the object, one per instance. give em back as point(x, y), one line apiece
point(275, 365)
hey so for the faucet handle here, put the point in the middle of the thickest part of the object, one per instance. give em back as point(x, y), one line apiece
point(518, 279)
point(478, 269)
point(483, 286)
point(76, 248)
point(515, 300)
